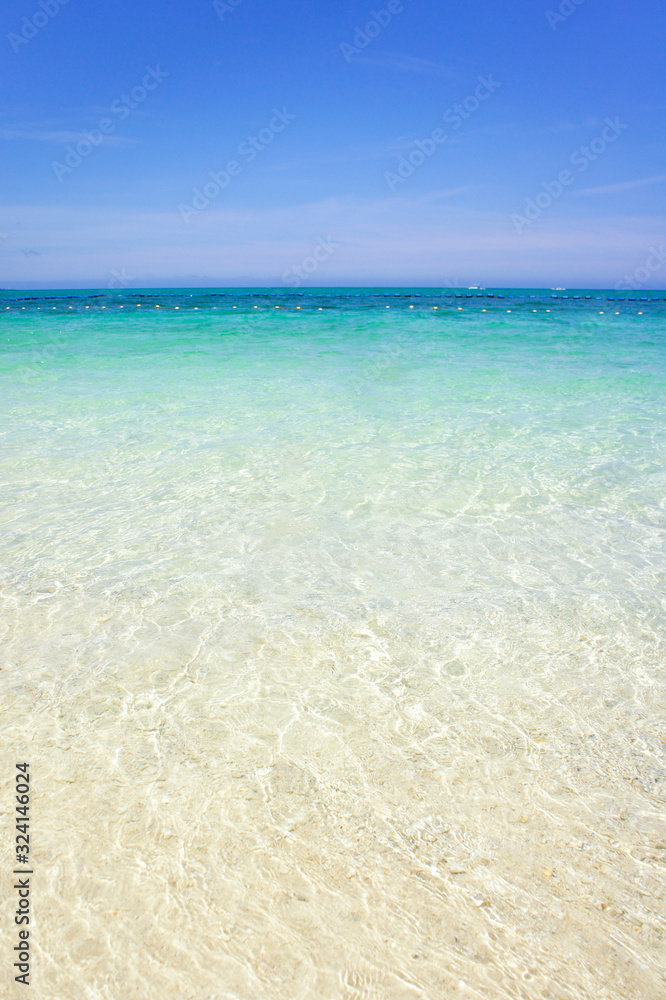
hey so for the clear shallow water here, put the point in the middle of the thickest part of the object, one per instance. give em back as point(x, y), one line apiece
point(334, 637)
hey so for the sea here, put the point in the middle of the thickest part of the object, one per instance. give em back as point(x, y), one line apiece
point(332, 629)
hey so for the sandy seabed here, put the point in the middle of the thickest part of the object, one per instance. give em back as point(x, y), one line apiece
point(235, 807)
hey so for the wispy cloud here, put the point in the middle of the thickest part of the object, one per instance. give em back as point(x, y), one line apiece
point(408, 64)
point(393, 239)
point(28, 132)
point(435, 196)
point(39, 134)
point(623, 186)
point(355, 154)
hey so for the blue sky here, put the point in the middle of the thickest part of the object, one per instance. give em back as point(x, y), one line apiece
point(446, 144)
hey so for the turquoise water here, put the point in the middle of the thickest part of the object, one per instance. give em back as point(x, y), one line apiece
point(348, 622)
